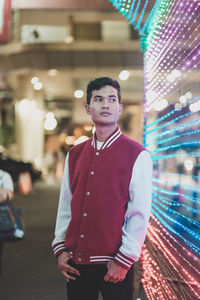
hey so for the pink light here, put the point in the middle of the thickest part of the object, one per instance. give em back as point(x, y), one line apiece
point(152, 273)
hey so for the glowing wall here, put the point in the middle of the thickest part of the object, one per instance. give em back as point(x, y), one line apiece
point(170, 40)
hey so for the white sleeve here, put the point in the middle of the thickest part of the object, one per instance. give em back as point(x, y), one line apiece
point(138, 211)
point(64, 211)
point(6, 181)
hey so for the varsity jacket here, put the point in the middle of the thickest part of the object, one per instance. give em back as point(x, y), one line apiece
point(105, 201)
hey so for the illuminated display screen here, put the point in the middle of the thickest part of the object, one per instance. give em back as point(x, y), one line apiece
point(170, 39)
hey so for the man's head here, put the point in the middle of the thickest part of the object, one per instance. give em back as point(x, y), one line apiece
point(100, 82)
point(103, 101)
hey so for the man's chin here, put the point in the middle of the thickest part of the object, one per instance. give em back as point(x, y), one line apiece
point(104, 123)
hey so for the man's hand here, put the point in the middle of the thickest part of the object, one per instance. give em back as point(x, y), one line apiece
point(63, 266)
point(115, 272)
point(5, 194)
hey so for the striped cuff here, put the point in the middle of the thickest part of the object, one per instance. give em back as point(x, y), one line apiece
point(59, 248)
point(123, 260)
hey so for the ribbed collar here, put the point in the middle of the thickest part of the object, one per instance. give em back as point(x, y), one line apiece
point(113, 137)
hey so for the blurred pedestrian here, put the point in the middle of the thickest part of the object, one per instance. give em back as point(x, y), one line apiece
point(6, 193)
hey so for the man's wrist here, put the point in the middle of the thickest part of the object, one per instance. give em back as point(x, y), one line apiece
point(123, 260)
point(59, 248)
point(65, 250)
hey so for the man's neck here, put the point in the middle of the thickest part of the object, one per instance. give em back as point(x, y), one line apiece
point(103, 132)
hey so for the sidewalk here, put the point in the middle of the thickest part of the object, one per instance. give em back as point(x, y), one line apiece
point(29, 267)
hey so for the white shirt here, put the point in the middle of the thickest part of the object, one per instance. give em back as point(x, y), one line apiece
point(6, 181)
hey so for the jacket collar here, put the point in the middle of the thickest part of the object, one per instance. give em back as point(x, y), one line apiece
point(113, 137)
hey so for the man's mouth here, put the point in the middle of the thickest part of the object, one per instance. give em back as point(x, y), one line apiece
point(105, 114)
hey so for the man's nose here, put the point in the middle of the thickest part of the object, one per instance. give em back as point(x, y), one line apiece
point(105, 103)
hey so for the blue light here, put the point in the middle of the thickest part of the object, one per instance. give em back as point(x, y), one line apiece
point(141, 16)
point(170, 40)
point(190, 244)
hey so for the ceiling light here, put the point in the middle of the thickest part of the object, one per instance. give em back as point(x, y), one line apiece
point(170, 78)
point(78, 94)
point(50, 121)
point(124, 75)
point(173, 75)
point(69, 140)
point(38, 86)
point(53, 72)
point(160, 105)
point(50, 124)
point(176, 73)
point(34, 80)
point(49, 115)
point(177, 106)
point(151, 96)
point(69, 39)
point(183, 99)
point(189, 95)
point(88, 127)
point(188, 164)
point(194, 107)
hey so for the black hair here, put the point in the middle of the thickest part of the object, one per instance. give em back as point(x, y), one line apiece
point(100, 82)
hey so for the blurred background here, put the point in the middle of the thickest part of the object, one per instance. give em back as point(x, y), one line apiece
point(52, 50)
point(49, 50)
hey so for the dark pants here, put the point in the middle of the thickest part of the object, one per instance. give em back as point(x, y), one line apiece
point(1, 250)
point(91, 281)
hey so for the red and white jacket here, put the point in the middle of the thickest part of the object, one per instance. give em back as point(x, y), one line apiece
point(105, 201)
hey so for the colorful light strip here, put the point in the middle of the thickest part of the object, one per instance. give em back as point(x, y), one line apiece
point(177, 260)
point(177, 206)
point(170, 39)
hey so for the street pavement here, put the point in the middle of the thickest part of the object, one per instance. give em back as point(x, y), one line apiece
point(29, 268)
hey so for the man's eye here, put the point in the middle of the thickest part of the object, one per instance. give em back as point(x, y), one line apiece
point(98, 99)
point(112, 99)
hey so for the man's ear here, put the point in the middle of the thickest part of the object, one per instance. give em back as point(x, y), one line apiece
point(121, 107)
point(87, 107)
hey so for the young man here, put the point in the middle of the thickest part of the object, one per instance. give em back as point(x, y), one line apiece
point(104, 205)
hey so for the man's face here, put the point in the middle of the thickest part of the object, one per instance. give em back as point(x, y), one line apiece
point(104, 107)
